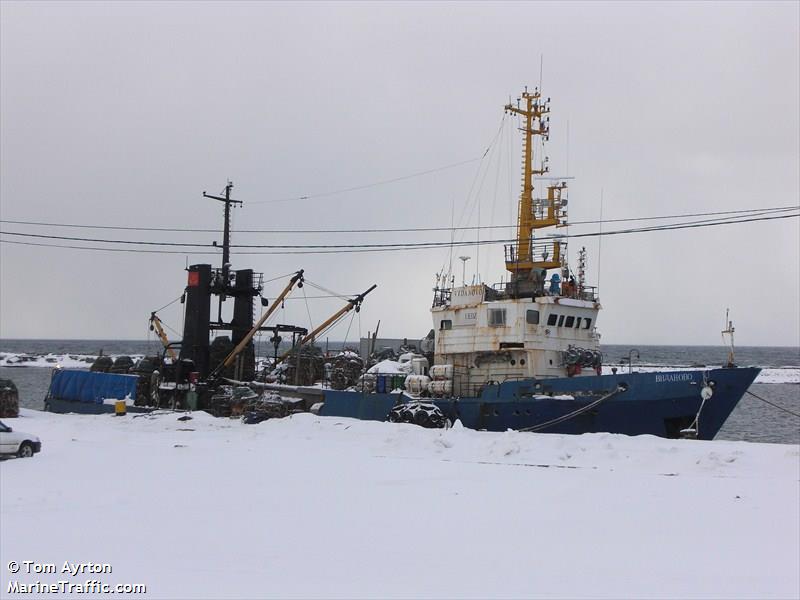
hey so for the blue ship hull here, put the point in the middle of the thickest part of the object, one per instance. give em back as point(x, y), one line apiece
point(84, 392)
point(58, 405)
point(660, 404)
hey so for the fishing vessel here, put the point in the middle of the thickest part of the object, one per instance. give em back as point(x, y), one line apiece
point(525, 354)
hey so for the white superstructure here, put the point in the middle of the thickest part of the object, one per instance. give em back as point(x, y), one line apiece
point(489, 336)
point(542, 321)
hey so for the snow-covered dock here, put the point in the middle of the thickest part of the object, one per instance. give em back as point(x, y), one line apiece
point(324, 507)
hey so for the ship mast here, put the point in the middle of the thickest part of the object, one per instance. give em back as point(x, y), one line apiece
point(527, 260)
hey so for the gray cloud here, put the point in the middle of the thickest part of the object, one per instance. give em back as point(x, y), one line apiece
point(123, 113)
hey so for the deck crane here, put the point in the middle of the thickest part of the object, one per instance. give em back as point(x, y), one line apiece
point(351, 304)
point(157, 326)
point(297, 279)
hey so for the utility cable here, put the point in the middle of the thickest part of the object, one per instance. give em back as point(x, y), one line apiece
point(394, 229)
point(100, 248)
point(368, 185)
point(102, 241)
point(350, 248)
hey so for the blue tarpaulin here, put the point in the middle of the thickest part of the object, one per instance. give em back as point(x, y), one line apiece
point(90, 386)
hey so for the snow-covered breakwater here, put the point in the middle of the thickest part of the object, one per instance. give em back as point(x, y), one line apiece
point(326, 507)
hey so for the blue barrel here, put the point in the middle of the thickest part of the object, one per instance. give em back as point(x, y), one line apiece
point(380, 384)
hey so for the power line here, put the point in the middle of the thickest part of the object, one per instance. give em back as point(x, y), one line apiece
point(401, 245)
point(394, 229)
point(349, 248)
point(102, 241)
point(104, 249)
point(369, 185)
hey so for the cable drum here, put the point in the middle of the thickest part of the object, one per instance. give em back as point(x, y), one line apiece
point(574, 356)
point(571, 356)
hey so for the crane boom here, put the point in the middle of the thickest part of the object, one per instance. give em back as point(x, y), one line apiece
point(351, 304)
point(156, 325)
point(297, 277)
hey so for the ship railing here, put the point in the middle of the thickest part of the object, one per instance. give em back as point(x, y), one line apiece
point(559, 289)
point(504, 290)
point(466, 385)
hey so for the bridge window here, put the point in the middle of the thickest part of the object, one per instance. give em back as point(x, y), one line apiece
point(532, 317)
point(587, 323)
point(560, 320)
point(445, 324)
point(578, 322)
point(497, 317)
point(569, 322)
point(551, 320)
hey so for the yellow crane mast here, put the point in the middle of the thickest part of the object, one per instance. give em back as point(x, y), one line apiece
point(526, 256)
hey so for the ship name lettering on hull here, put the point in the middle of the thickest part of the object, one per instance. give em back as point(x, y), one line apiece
point(662, 377)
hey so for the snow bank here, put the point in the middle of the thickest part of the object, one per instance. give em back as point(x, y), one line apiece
point(329, 507)
point(391, 367)
point(65, 361)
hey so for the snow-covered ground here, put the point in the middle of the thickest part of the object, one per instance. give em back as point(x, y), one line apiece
point(329, 507)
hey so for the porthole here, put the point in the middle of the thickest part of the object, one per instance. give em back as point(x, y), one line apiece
point(513, 362)
point(522, 361)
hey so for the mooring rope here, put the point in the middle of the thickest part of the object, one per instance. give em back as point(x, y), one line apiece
point(574, 413)
point(773, 404)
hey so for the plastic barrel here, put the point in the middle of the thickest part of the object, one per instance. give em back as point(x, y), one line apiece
point(380, 384)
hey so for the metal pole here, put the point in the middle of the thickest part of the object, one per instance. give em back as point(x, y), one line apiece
point(464, 260)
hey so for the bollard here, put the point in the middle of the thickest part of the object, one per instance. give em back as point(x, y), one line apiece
point(120, 409)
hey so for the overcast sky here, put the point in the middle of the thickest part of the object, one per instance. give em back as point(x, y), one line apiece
point(122, 114)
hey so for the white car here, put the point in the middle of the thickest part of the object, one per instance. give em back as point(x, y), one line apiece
point(21, 444)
